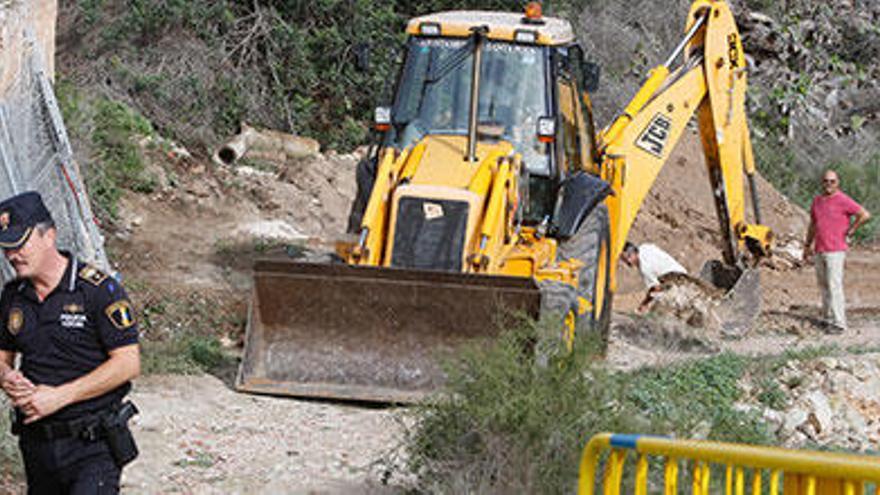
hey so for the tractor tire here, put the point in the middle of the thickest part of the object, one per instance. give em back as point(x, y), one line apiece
point(591, 244)
point(559, 303)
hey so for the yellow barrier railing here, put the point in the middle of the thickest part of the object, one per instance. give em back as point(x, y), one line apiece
point(799, 472)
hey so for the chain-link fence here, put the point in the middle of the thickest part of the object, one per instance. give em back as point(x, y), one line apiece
point(35, 154)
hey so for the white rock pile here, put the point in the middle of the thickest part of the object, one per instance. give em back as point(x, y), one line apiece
point(831, 401)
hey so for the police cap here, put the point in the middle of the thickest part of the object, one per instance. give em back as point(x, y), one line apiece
point(18, 216)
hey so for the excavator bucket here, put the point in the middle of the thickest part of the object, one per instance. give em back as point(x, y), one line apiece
point(364, 333)
point(739, 308)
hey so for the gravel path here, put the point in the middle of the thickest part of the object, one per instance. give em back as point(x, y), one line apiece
point(198, 436)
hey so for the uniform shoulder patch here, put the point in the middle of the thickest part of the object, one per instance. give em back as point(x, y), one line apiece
point(92, 275)
point(121, 314)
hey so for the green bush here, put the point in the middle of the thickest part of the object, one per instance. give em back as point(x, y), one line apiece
point(511, 423)
point(119, 160)
point(111, 130)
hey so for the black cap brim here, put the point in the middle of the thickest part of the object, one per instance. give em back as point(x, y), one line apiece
point(14, 238)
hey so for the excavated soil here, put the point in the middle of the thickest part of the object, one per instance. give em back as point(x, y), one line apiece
point(200, 232)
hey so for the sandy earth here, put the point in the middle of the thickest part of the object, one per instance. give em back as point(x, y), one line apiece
point(198, 436)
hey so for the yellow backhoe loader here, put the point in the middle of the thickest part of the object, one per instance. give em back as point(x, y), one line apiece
point(492, 191)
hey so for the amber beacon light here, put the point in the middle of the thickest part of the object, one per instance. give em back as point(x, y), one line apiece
point(533, 11)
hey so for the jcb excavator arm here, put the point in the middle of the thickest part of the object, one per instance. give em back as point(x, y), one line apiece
point(711, 82)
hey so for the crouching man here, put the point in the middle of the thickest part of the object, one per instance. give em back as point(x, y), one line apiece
point(652, 263)
point(76, 333)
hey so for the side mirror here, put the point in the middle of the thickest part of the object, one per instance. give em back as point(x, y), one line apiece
point(591, 72)
point(362, 57)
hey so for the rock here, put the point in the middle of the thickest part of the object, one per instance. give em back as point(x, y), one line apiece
point(269, 229)
point(791, 376)
point(794, 418)
point(248, 171)
point(773, 417)
point(821, 416)
point(864, 371)
point(827, 363)
point(854, 425)
point(199, 189)
point(758, 17)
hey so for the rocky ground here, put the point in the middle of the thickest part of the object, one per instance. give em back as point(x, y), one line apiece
point(198, 436)
point(833, 401)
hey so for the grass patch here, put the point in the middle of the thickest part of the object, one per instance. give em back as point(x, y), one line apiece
point(771, 394)
point(112, 131)
point(120, 161)
point(184, 355)
point(514, 424)
point(182, 334)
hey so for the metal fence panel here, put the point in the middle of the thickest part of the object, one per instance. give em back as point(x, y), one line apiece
point(35, 154)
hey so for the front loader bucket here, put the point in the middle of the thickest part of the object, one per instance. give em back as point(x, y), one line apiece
point(739, 308)
point(364, 333)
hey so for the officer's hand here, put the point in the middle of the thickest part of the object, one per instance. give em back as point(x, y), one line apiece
point(16, 385)
point(44, 401)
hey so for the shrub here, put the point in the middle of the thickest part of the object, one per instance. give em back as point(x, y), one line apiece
point(111, 130)
point(512, 424)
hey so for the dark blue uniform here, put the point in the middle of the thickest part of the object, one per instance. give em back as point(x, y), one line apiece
point(65, 337)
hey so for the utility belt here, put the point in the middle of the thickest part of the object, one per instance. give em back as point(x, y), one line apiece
point(110, 425)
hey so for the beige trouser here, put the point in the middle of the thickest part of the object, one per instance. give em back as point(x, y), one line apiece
point(829, 273)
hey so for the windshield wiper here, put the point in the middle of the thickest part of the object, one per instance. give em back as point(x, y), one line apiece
point(452, 62)
point(436, 73)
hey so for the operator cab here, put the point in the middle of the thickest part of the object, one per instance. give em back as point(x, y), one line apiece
point(529, 85)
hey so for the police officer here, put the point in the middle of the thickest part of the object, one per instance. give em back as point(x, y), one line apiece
point(75, 331)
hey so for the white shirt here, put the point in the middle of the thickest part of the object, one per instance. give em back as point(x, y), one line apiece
point(654, 263)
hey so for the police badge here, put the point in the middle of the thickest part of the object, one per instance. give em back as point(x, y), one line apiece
point(15, 322)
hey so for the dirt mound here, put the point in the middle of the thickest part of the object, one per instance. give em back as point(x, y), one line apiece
point(206, 222)
point(679, 214)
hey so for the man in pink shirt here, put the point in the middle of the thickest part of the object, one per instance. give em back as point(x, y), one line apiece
point(831, 226)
